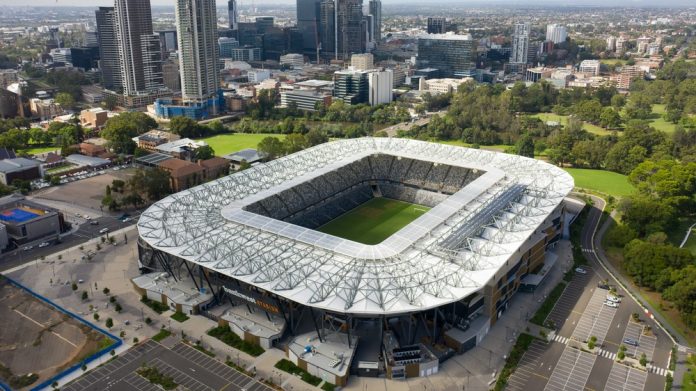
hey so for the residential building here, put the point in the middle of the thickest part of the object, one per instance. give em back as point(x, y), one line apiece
point(168, 42)
point(520, 44)
point(590, 67)
point(198, 59)
point(351, 86)
point(215, 167)
point(436, 25)
point(556, 33)
point(380, 84)
point(626, 76)
point(621, 44)
point(138, 47)
point(108, 49)
point(292, 59)
point(452, 55)
point(362, 62)
point(258, 75)
point(611, 44)
point(182, 174)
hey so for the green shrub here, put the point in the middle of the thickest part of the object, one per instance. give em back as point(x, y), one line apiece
point(180, 316)
point(164, 333)
point(226, 335)
point(154, 305)
point(548, 304)
point(154, 376)
point(521, 346)
point(289, 367)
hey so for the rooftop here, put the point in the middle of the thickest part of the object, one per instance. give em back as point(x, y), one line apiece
point(415, 269)
point(17, 164)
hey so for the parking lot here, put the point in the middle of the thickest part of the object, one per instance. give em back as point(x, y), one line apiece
point(623, 378)
point(646, 343)
point(186, 365)
point(572, 371)
point(527, 367)
point(569, 299)
point(596, 319)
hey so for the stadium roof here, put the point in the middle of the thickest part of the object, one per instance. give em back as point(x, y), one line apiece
point(443, 256)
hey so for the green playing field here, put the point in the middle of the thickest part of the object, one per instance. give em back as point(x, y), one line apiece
point(374, 221)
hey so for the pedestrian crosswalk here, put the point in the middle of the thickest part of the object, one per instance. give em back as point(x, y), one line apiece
point(587, 250)
point(657, 370)
point(561, 339)
point(607, 354)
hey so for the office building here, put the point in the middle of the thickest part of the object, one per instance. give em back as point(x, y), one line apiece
point(351, 86)
point(362, 62)
point(308, 18)
point(85, 58)
point(136, 46)
point(556, 33)
point(305, 100)
point(62, 55)
point(264, 23)
point(226, 46)
point(293, 60)
point(589, 67)
point(108, 49)
point(258, 75)
point(171, 75)
point(233, 15)
point(520, 44)
point(327, 28)
point(444, 86)
point(375, 10)
point(452, 55)
point(201, 96)
point(437, 25)
point(380, 85)
point(91, 39)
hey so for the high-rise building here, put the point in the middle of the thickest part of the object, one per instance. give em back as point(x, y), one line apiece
point(520, 44)
point(196, 26)
point(133, 27)
point(226, 46)
point(611, 44)
point(375, 9)
point(380, 85)
point(233, 15)
point(308, 21)
point(168, 42)
point(152, 62)
point(437, 25)
point(350, 28)
point(264, 23)
point(351, 86)
point(170, 74)
point(556, 33)
point(362, 62)
point(108, 49)
point(327, 29)
point(451, 54)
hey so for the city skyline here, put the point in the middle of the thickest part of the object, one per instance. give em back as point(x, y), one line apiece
point(223, 3)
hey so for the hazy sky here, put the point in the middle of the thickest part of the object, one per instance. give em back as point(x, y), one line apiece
point(642, 3)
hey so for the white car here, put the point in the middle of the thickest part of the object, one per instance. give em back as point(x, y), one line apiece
point(87, 217)
point(44, 244)
point(103, 230)
point(580, 270)
point(27, 248)
point(611, 304)
point(613, 299)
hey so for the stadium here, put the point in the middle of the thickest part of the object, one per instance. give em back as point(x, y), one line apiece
point(371, 256)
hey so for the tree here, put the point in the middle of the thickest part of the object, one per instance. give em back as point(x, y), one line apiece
point(525, 146)
point(84, 295)
point(618, 101)
point(294, 142)
point(109, 323)
point(120, 130)
point(96, 317)
point(185, 127)
point(610, 118)
point(67, 101)
point(106, 290)
point(643, 359)
point(73, 286)
point(204, 152)
point(316, 137)
point(592, 342)
point(155, 183)
point(271, 147)
point(109, 102)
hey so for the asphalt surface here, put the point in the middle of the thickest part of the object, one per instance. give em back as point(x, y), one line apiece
point(185, 365)
point(580, 312)
point(85, 232)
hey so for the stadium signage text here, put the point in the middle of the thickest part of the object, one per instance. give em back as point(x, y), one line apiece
point(266, 306)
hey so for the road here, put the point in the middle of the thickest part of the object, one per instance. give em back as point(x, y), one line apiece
point(85, 232)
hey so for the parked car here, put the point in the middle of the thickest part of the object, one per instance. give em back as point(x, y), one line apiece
point(611, 304)
point(613, 299)
point(94, 222)
point(630, 341)
point(27, 248)
point(103, 230)
point(580, 270)
point(44, 244)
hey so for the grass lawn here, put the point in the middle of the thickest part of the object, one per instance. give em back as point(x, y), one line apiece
point(224, 144)
point(563, 120)
point(460, 143)
point(677, 233)
point(180, 317)
point(374, 221)
point(613, 61)
point(602, 181)
point(39, 150)
point(689, 382)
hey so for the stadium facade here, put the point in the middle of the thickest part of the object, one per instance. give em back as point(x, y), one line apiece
point(337, 307)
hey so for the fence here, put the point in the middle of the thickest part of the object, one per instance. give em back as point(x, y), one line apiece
point(78, 366)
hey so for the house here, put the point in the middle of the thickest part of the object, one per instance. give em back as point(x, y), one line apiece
point(248, 155)
point(183, 174)
point(180, 149)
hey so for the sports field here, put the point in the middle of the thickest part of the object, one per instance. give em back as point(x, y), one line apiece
point(374, 221)
point(224, 144)
point(606, 182)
